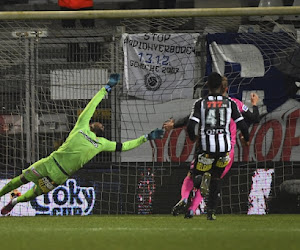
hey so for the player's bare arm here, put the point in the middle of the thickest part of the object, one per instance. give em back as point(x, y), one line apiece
point(169, 124)
point(254, 99)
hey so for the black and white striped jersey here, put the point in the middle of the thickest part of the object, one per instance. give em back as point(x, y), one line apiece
point(213, 114)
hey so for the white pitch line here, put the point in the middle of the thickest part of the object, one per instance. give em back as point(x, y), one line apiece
point(99, 229)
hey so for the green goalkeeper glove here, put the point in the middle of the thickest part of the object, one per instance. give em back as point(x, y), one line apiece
point(155, 134)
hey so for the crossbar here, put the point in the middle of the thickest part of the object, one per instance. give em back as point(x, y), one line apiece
point(149, 13)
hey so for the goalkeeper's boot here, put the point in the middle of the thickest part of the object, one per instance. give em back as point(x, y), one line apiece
point(204, 186)
point(211, 215)
point(189, 214)
point(6, 209)
point(179, 207)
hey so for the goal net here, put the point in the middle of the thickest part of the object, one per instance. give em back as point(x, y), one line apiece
point(49, 71)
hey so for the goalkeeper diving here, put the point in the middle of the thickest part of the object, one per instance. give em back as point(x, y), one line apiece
point(84, 142)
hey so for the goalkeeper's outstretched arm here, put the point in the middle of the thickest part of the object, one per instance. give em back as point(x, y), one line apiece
point(87, 113)
point(153, 135)
point(110, 146)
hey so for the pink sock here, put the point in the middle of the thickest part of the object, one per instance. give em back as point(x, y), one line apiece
point(187, 187)
point(196, 201)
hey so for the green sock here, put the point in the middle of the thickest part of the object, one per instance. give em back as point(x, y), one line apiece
point(29, 195)
point(13, 184)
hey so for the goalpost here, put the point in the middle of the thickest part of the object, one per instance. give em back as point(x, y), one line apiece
point(48, 73)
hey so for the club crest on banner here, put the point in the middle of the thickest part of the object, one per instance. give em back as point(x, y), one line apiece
point(152, 81)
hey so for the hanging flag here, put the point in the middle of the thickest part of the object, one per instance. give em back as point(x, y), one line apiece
point(159, 67)
point(264, 62)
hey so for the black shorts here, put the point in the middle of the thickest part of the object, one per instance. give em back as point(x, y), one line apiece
point(210, 166)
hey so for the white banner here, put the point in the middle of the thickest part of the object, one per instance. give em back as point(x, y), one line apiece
point(159, 67)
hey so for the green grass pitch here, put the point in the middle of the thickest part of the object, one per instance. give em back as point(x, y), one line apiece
point(157, 232)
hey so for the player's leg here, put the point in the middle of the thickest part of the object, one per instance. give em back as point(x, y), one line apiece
point(29, 174)
point(13, 184)
point(32, 174)
point(215, 187)
point(227, 168)
point(204, 165)
point(28, 196)
point(43, 186)
point(194, 204)
point(213, 198)
point(186, 188)
point(202, 184)
point(205, 183)
point(197, 180)
point(201, 180)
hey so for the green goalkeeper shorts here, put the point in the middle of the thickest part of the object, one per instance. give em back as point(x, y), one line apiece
point(45, 167)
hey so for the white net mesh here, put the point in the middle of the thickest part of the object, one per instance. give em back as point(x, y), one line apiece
point(49, 73)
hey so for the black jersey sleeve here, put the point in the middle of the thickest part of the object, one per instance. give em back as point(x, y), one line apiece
point(195, 114)
point(181, 122)
point(191, 129)
point(193, 120)
point(242, 125)
point(251, 117)
point(235, 113)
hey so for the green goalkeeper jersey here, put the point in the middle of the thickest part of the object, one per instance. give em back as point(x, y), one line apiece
point(82, 144)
